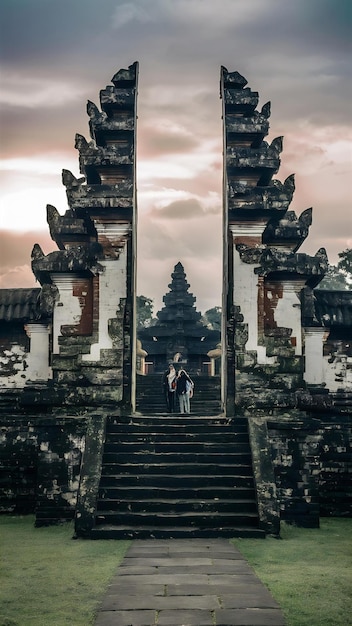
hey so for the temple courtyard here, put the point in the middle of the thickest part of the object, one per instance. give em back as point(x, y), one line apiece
point(49, 579)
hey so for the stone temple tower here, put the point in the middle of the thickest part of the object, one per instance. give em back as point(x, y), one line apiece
point(179, 331)
point(90, 281)
point(265, 279)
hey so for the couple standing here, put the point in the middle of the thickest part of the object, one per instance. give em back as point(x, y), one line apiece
point(180, 385)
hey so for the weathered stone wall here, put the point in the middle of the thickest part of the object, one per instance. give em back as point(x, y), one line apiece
point(264, 479)
point(40, 465)
point(335, 482)
point(60, 445)
point(295, 447)
point(18, 464)
point(91, 468)
point(14, 355)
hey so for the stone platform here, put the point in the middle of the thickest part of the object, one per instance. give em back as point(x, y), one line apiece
point(187, 582)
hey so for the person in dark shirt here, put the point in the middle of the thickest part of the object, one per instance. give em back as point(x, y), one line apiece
point(184, 391)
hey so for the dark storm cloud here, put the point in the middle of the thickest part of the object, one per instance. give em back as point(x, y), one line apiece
point(289, 45)
point(46, 29)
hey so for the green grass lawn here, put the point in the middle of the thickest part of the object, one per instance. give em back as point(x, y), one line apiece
point(309, 571)
point(49, 579)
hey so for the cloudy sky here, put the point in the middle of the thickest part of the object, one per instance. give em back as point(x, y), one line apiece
point(56, 55)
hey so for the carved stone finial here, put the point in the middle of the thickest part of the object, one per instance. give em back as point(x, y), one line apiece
point(306, 217)
point(277, 144)
point(92, 109)
point(235, 79)
point(322, 254)
point(125, 75)
point(37, 252)
point(52, 214)
point(80, 142)
point(266, 110)
point(69, 180)
point(289, 183)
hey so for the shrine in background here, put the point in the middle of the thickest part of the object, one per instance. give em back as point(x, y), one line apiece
point(179, 336)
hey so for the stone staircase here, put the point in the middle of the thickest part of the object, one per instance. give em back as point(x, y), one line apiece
point(168, 477)
point(206, 400)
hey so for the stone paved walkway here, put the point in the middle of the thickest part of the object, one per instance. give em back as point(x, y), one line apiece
point(187, 582)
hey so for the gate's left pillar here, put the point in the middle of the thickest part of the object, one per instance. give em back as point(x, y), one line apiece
point(93, 274)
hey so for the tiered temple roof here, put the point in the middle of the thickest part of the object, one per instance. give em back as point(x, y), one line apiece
point(101, 202)
point(179, 329)
point(253, 198)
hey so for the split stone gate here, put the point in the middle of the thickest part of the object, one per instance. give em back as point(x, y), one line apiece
point(69, 347)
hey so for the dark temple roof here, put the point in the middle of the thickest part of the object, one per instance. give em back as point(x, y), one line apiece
point(18, 305)
point(333, 308)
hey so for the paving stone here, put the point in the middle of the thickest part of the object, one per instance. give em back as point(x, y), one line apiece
point(144, 550)
point(168, 579)
point(180, 582)
point(126, 618)
point(185, 618)
point(193, 589)
point(113, 603)
point(212, 554)
point(249, 617)
point(134, 588)
point(261, 599)
point(135, 570)
point(179, 569)
point(169, 561)
point(218, 590)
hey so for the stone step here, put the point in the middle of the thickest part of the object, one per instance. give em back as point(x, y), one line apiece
point(181, 427)
point(184, 476)
point(153, 380)
point(199, 389)
point(206, 407)
point(162, 427)
point(160, 458)
point(199, 395)
point(166, 418)
point(206, 400)
point(155, 492)
point(120, 531)
point(193, 518)
point(165, 447)
point(172, 481)
point(178, 469)
point(176, 425)
point(178, 505)
point(179, 437)
point(203, 407)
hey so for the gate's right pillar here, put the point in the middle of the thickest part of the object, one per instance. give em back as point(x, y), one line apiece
point(263, 276)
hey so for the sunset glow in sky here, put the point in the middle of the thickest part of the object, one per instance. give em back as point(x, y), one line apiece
point(57, 55)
